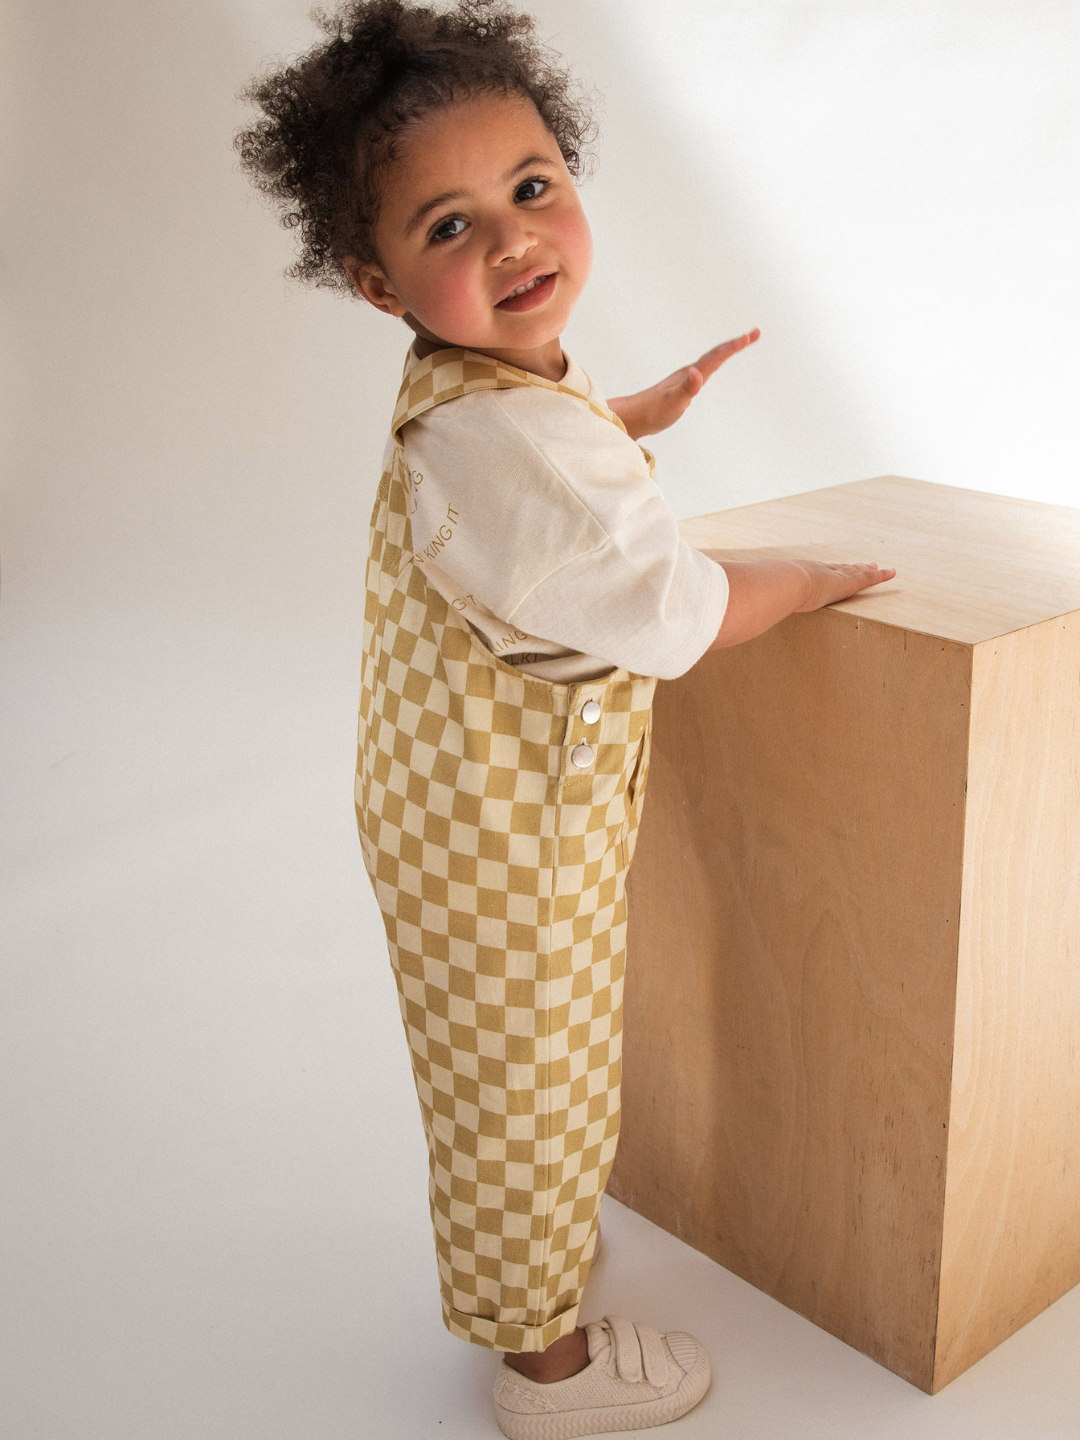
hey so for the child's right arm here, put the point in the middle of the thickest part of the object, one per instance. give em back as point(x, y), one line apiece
point(763, 592)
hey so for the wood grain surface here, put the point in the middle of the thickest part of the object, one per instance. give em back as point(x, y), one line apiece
point(1012, 1201)
point(794, 906)
point(970, 566)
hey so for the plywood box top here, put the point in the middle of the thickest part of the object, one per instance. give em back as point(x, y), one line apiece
point(970, 566)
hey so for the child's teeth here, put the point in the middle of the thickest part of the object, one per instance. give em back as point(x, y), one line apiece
point(531, 286)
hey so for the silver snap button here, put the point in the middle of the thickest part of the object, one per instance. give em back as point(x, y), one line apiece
point(582, 755)
point(590, 712)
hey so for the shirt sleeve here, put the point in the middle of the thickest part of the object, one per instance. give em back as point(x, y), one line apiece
point(654, 611)
point(559, 529)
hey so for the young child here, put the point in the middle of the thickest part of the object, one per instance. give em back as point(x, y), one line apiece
point(526, 588)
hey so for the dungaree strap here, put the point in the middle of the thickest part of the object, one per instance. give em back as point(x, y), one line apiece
point(449, 374)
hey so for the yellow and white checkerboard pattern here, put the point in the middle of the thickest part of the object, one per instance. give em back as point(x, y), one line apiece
point(499, 868)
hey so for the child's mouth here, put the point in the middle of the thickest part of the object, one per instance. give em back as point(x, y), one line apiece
point(536, 293)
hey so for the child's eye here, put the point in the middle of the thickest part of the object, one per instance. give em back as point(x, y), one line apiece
point(446, 231)
point(531, 189)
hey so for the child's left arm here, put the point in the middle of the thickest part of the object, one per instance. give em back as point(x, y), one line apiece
point(661, 405)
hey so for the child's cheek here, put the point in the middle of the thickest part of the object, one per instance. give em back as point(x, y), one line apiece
point(573, 237)
point(453, 302)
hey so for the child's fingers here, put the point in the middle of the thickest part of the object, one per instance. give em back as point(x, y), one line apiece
point(867, 567)
point(865, 574)
point(876, 576)
point(839, 580)
point(714, 358)
point(692, 380)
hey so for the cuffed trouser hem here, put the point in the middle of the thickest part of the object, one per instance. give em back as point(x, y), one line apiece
point(497, 1335)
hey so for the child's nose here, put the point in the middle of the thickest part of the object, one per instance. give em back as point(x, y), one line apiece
point(510, 241)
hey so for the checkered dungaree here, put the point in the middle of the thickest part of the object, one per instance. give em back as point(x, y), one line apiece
point(499, 866)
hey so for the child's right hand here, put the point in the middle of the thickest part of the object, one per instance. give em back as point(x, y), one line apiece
point(831, 582)
point(763, 592)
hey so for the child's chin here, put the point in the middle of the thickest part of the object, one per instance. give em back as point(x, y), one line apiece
point(531, 331)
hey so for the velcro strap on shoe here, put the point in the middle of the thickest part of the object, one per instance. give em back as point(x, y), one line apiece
point(627, 1350)
point(653, 1354)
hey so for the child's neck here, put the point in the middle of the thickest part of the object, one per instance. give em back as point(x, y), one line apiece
point(548, 361)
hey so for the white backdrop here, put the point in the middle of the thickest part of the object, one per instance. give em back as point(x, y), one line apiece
point(219, 1165)
point(888, 187)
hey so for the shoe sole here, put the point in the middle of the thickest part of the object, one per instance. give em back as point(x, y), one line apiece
point(570, 1424)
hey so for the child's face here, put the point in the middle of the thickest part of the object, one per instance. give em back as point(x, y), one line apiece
point(478, 204)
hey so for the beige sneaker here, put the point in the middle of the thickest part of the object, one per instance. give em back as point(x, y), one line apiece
point(635, 1378)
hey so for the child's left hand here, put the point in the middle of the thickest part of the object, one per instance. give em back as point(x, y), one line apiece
point(661, 405)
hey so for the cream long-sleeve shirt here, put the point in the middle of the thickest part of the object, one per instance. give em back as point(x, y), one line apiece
point(540, 523)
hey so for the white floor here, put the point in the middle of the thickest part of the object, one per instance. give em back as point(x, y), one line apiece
point(213, 1195)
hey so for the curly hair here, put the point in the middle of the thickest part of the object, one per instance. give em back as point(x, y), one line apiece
point(331, 120)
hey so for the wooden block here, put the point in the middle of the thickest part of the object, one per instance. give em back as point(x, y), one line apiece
point(852, 1057)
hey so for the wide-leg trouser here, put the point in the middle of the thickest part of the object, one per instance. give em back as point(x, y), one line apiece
point(501, 881)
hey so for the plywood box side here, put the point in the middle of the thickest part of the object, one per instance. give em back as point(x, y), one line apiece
point(1011, 1240)
point(794, 907)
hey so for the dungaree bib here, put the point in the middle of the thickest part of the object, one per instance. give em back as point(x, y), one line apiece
point(497, 816)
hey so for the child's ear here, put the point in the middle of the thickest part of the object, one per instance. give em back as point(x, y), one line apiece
point(373, 285)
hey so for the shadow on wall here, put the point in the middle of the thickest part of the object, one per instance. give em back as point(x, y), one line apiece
point(679, 267)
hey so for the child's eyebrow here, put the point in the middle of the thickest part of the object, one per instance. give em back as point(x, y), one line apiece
point(437, 200)
point(529, 160)
point(430, 205)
